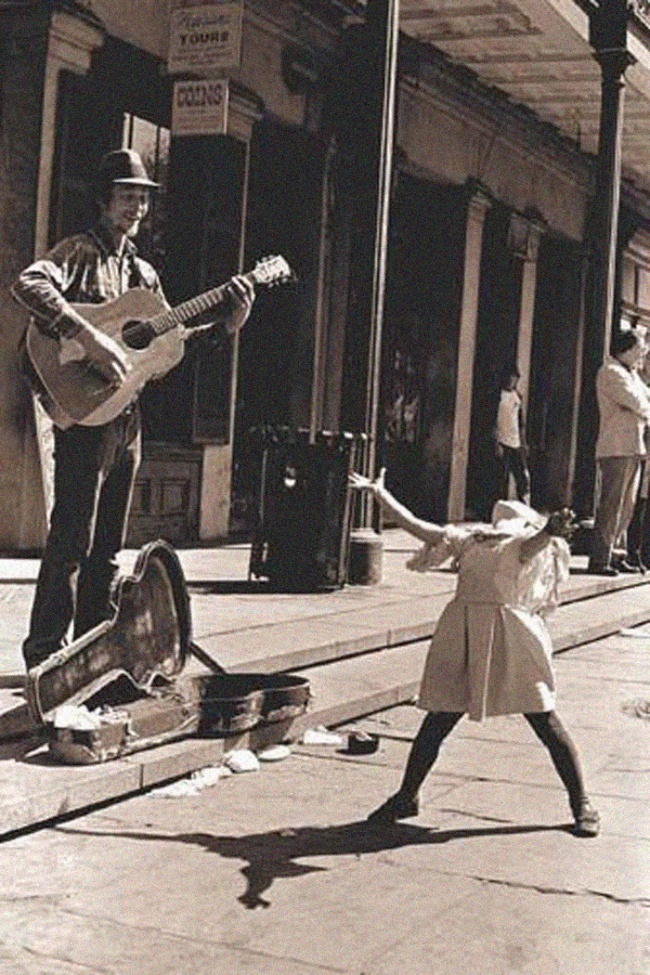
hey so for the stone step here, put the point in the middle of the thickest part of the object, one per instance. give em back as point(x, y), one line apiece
point(35, 790)
point(587, 620)
point(349, 688)
point(345, 629)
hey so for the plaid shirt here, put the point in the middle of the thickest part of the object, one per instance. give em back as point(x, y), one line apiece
point(85, 269)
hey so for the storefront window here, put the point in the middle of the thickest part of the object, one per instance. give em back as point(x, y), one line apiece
point(151, 142)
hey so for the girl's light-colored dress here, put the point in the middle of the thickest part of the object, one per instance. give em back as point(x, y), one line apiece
point(491, 650)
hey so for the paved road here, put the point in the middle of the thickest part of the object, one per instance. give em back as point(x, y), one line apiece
point(273, 872)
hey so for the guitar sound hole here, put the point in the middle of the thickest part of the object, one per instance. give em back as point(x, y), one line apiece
point(137, 335)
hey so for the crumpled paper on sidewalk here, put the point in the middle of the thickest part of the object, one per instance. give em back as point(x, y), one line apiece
point(321, 736)
point(274, 753)
point(242, 760)
point(202, 779)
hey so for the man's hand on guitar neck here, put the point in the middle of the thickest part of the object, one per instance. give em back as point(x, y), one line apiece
point(103, 353)
point(241, 293)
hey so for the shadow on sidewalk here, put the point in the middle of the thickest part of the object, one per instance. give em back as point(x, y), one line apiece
point(230, 587)
point(255, 587)
point(273, 855)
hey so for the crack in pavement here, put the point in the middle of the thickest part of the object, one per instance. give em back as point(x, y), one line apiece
point(479, 816)
point(177, 936)
point(78, 967)
point(541, 889)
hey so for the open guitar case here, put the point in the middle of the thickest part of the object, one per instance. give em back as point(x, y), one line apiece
point(121, 688)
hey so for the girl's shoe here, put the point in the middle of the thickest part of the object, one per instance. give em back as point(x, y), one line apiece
point(396, 807)
point(587, 820)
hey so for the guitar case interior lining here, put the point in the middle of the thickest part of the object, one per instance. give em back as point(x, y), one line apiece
point(128, 724)
point(147, 639)
point(128, 673)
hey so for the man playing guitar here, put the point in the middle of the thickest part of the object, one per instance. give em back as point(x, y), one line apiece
point(94, 466)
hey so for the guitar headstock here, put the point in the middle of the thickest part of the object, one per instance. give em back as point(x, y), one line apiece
point(270, 271)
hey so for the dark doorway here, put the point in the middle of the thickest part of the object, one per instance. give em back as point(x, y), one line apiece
point(91, 111)
point(277, 346)
point(552, 373)
point(125, 100)
point(496, 351)
point(421, 342)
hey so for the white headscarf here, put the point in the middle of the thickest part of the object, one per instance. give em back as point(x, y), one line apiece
point(513, 517)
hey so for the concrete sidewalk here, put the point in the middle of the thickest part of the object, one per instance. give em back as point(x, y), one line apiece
point(242, 623)
point(275, 873)
point(363, 647)
point(225, 602)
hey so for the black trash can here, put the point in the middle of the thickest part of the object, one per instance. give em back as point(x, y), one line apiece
point(301, 538)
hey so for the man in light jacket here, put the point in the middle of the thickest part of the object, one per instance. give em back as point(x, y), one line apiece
point(624, 406)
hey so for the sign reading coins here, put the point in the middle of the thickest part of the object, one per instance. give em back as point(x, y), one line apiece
point(200, 107)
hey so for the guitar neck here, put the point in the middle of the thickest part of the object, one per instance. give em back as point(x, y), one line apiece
point(193, 308)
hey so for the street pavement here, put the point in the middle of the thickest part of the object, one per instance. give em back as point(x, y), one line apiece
point(274, 872)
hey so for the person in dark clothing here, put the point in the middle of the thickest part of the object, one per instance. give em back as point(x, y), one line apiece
point(510, 437)
point(94, 466)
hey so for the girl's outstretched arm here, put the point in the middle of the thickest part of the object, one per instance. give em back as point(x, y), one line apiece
point(426, 531)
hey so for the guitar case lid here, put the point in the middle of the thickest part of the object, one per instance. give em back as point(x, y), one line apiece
point(148, 637)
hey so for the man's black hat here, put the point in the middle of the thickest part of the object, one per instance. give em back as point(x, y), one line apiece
point(123, 166)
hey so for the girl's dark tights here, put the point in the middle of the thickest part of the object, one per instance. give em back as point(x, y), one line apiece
point(546, 725)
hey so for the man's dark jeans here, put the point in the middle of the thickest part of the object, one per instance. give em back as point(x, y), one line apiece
point(514, 462)
point(94, 474)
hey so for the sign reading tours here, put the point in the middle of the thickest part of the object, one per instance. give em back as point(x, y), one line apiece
point(200, 107)
point(206, 37)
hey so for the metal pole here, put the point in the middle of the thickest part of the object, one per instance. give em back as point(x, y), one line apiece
point(608, 187)
point(316, 408)
point(385, 169)
point(608, 23)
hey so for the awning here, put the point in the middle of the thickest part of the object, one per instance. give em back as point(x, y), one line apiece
point(537, 53)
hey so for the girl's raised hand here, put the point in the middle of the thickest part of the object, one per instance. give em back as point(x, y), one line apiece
point(362, 483)
point(359, 482)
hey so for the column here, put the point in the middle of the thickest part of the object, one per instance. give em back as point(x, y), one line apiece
point(216, 476)
point(527, 308)
point(608, 190)
point(71, 43)
point(363, 105)
point(608, 35)
point(477, 208)
point(70, 47)
point(383, 22)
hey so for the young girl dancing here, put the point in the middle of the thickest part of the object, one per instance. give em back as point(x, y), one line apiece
point(491, 651)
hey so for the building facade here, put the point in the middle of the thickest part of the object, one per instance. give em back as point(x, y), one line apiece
point(494, 186)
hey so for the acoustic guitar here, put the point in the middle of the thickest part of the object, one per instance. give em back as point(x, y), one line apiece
point(151, 335)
